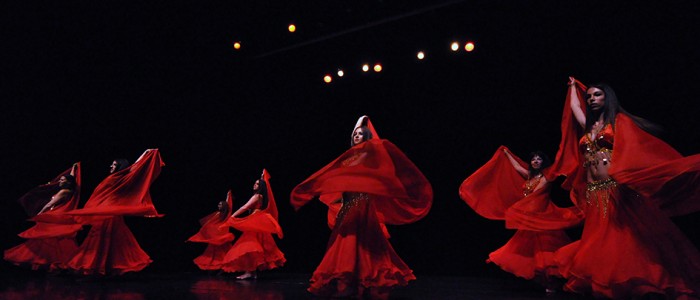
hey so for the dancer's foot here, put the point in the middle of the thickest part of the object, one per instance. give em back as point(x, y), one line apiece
point(247, 275)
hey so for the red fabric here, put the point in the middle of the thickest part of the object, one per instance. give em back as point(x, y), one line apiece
point(402, 194)
point(264, 220)
point(629, 247)
point(51, 252)
point(359, 256)
point(49, 244)
point(253, 251)
point(213, 257)
point(211, 231)
point(125, 192)
point(109, 249)
point(495, 191)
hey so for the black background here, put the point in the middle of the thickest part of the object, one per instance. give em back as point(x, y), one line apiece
point(94, 81)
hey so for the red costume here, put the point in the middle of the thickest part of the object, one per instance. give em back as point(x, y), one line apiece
point(110, 247)
point(369, 185)
point(255, 249)
point(218, 239)
point(496, 191)
point(629, 247)
point(48, 244)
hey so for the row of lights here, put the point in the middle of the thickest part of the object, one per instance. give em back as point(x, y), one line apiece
point(455, 46)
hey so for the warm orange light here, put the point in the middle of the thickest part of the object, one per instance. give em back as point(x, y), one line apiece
point(292, 28)
point(365, 67)
point(454, 46)
point(420, 55)
point(237, 45)
point(377, 68)
point(327, 79)
point(469, 47)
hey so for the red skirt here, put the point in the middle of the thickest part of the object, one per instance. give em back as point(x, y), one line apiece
point(359, 256)
point(530, 254)
point(51, 253)
point(253, 251)
point(109, 249)
point(213, 257)
point(629, 248)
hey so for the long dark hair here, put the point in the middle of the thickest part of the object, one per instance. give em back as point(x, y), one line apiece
point(366, 134)
point(122, 163)
point(70, 182)
point(546, 162)
point(262, 191)
point(611, 108)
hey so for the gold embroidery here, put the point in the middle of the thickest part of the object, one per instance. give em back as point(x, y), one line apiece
point(599, 192)
point(355, 198)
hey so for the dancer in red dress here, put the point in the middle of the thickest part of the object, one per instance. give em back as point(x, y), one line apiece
point(627, 182)
point(50, 244)
point(218, 239)
point(506, 188)
point(255, 250)
point(110, 248)
point(370, 185)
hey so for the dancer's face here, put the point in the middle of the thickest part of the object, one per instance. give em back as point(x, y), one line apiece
point(113, 167)
point(358, 136)
point(536, 162)
point(595, 98)
point(256, 185)
point(62, 181)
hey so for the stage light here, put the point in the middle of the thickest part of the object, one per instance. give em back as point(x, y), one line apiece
point(469, 47)
point(378, 68)
point(292, 28)
point(327, 79)
point(237, 45)
point(454, 46)
point(341, 73)
point(365, 68)
point(420, 55)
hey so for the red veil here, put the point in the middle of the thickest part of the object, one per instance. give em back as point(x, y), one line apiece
point(643, 162)
point(59, 223)
point(126, 192)
point(265, 220)
point(403, 195)
point(495, 191)
point(211, 233)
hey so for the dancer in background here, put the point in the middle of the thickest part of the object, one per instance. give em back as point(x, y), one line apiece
point(218, 239)
point(627, 182)
point(255, 250)
point(506, 188)
point(371, 184)
point(110, 248)
point(50, 244)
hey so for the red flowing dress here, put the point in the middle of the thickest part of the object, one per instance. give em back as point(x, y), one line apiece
point(376, 184)
point(496, 191)
point(110, 248)
point(255, 249)
point(218, 239)
point(629, 247)
point(49, 244)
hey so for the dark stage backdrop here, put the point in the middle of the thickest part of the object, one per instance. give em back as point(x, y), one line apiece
point(97, 81)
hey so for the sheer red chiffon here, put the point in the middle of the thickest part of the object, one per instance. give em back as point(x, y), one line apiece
point(255, 249)
point(495, 191)
point(110, 248)
point(48, 245)
point(629, 247)
point(377, 184)
point(218, 239)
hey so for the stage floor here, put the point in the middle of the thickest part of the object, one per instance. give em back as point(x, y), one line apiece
point(22, 284)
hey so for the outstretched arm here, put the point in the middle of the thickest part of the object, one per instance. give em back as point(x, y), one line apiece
point(576, 103)
point(254, 199)
point(72, 170)
point(518, 168)
point(57, 199)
